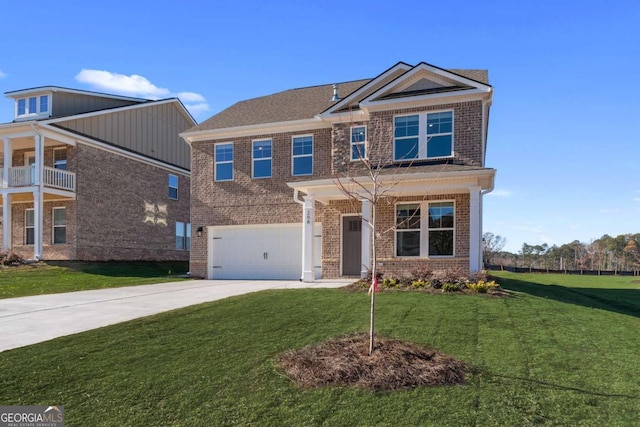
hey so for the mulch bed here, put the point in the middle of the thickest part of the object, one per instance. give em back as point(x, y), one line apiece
point(394, 365)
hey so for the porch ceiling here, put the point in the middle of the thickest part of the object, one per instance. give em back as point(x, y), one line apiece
point(27, 197)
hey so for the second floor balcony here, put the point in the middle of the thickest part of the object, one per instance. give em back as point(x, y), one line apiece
point(26, 176)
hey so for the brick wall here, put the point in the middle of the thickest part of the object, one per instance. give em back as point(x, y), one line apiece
point(387, 261)
point(112, 193)
point(467, 136)
point(246, 200)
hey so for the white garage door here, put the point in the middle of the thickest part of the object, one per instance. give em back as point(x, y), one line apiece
point(259, 252)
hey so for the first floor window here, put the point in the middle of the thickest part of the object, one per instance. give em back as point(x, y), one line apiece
point(29, 227)
point(173, 187)
point(183, 236)
point(302, 155)
point(223, 160)
point(423, 235)
point(358, 143)
point(262, 159)
point(408, 230)
point(441, 220)
point(59, 226)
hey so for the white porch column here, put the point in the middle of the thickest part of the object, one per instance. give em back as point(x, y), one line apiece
point(475, 230)
point(38, 202)
point(6, 222)
point(365, 262)
point(8, 154)
point(308, 220)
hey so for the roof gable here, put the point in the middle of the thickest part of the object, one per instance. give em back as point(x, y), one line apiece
point(427, 81)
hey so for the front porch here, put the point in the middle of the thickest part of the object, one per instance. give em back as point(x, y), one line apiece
point(443, 230)
point(33, 171)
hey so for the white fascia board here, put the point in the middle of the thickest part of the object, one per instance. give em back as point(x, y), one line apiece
point(258, 129)
point(355, 95)
point(108, 111)
point(55, 133)
point(409, 101)
point(361, 115)
point(50, 89)
point(405, 184)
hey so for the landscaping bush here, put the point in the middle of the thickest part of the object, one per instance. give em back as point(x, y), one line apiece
point(444, 281)
point(10, 259)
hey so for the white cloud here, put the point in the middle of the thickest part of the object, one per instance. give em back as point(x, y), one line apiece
point(636, 199)
point(191, 97)
point(2, 74)
point(500, 193)
point(139, 86)
point(133, 85)
point(609, 211)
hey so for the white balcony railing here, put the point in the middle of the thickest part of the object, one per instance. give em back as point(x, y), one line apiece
point(25, 176)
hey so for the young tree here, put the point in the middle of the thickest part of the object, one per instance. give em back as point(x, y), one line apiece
point(370, 179)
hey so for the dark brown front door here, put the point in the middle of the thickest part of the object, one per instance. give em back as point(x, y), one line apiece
point(351, 245)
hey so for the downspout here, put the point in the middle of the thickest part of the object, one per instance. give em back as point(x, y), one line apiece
point(485, 128)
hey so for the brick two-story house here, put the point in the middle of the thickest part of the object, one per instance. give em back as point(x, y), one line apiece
point(269, 176)
point(93, 176)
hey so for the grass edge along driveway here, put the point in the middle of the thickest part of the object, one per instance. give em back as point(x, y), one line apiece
point(42, 278)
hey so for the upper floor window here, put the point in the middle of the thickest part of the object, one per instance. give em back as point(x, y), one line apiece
point(223, 162)
point(302, 155)
point(423, 136)
point(32, 106)
point(262, 159)
point(173, 187)
point(358, 143)
point(60, 158)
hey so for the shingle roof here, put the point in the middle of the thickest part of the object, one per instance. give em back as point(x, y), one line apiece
point(295, 104)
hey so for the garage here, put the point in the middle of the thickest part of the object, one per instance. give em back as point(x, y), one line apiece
point(259, 252)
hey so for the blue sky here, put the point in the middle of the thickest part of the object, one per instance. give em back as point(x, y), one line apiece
point(564, 127)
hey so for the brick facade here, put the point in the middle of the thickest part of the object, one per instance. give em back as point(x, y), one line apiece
point(245, 201)
point(106, 221)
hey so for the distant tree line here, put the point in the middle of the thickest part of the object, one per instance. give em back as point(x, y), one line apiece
point(611, 254)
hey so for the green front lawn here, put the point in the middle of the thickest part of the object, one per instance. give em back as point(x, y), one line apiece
point(539, 358)
point(37, 279)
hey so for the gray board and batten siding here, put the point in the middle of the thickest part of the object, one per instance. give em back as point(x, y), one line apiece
point(152, 130)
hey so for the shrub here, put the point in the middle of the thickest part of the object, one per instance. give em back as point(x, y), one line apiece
point(10, 258)
point(450, 287)
point(422, 273)
point(420, 284)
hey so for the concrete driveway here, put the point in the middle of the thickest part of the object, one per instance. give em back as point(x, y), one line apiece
point(30, 320)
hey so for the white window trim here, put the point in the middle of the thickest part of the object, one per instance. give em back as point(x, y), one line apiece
point(29, 226)
point(302, 155)
point(253, 159)
point(170, 187)
point(422, 135)
point(30, 114)
point(424, 229)
point(54, 226)
point(216, 162)
point(365, 142)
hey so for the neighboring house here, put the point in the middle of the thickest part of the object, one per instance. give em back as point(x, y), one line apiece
point(267, 204)
point(92, 176)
